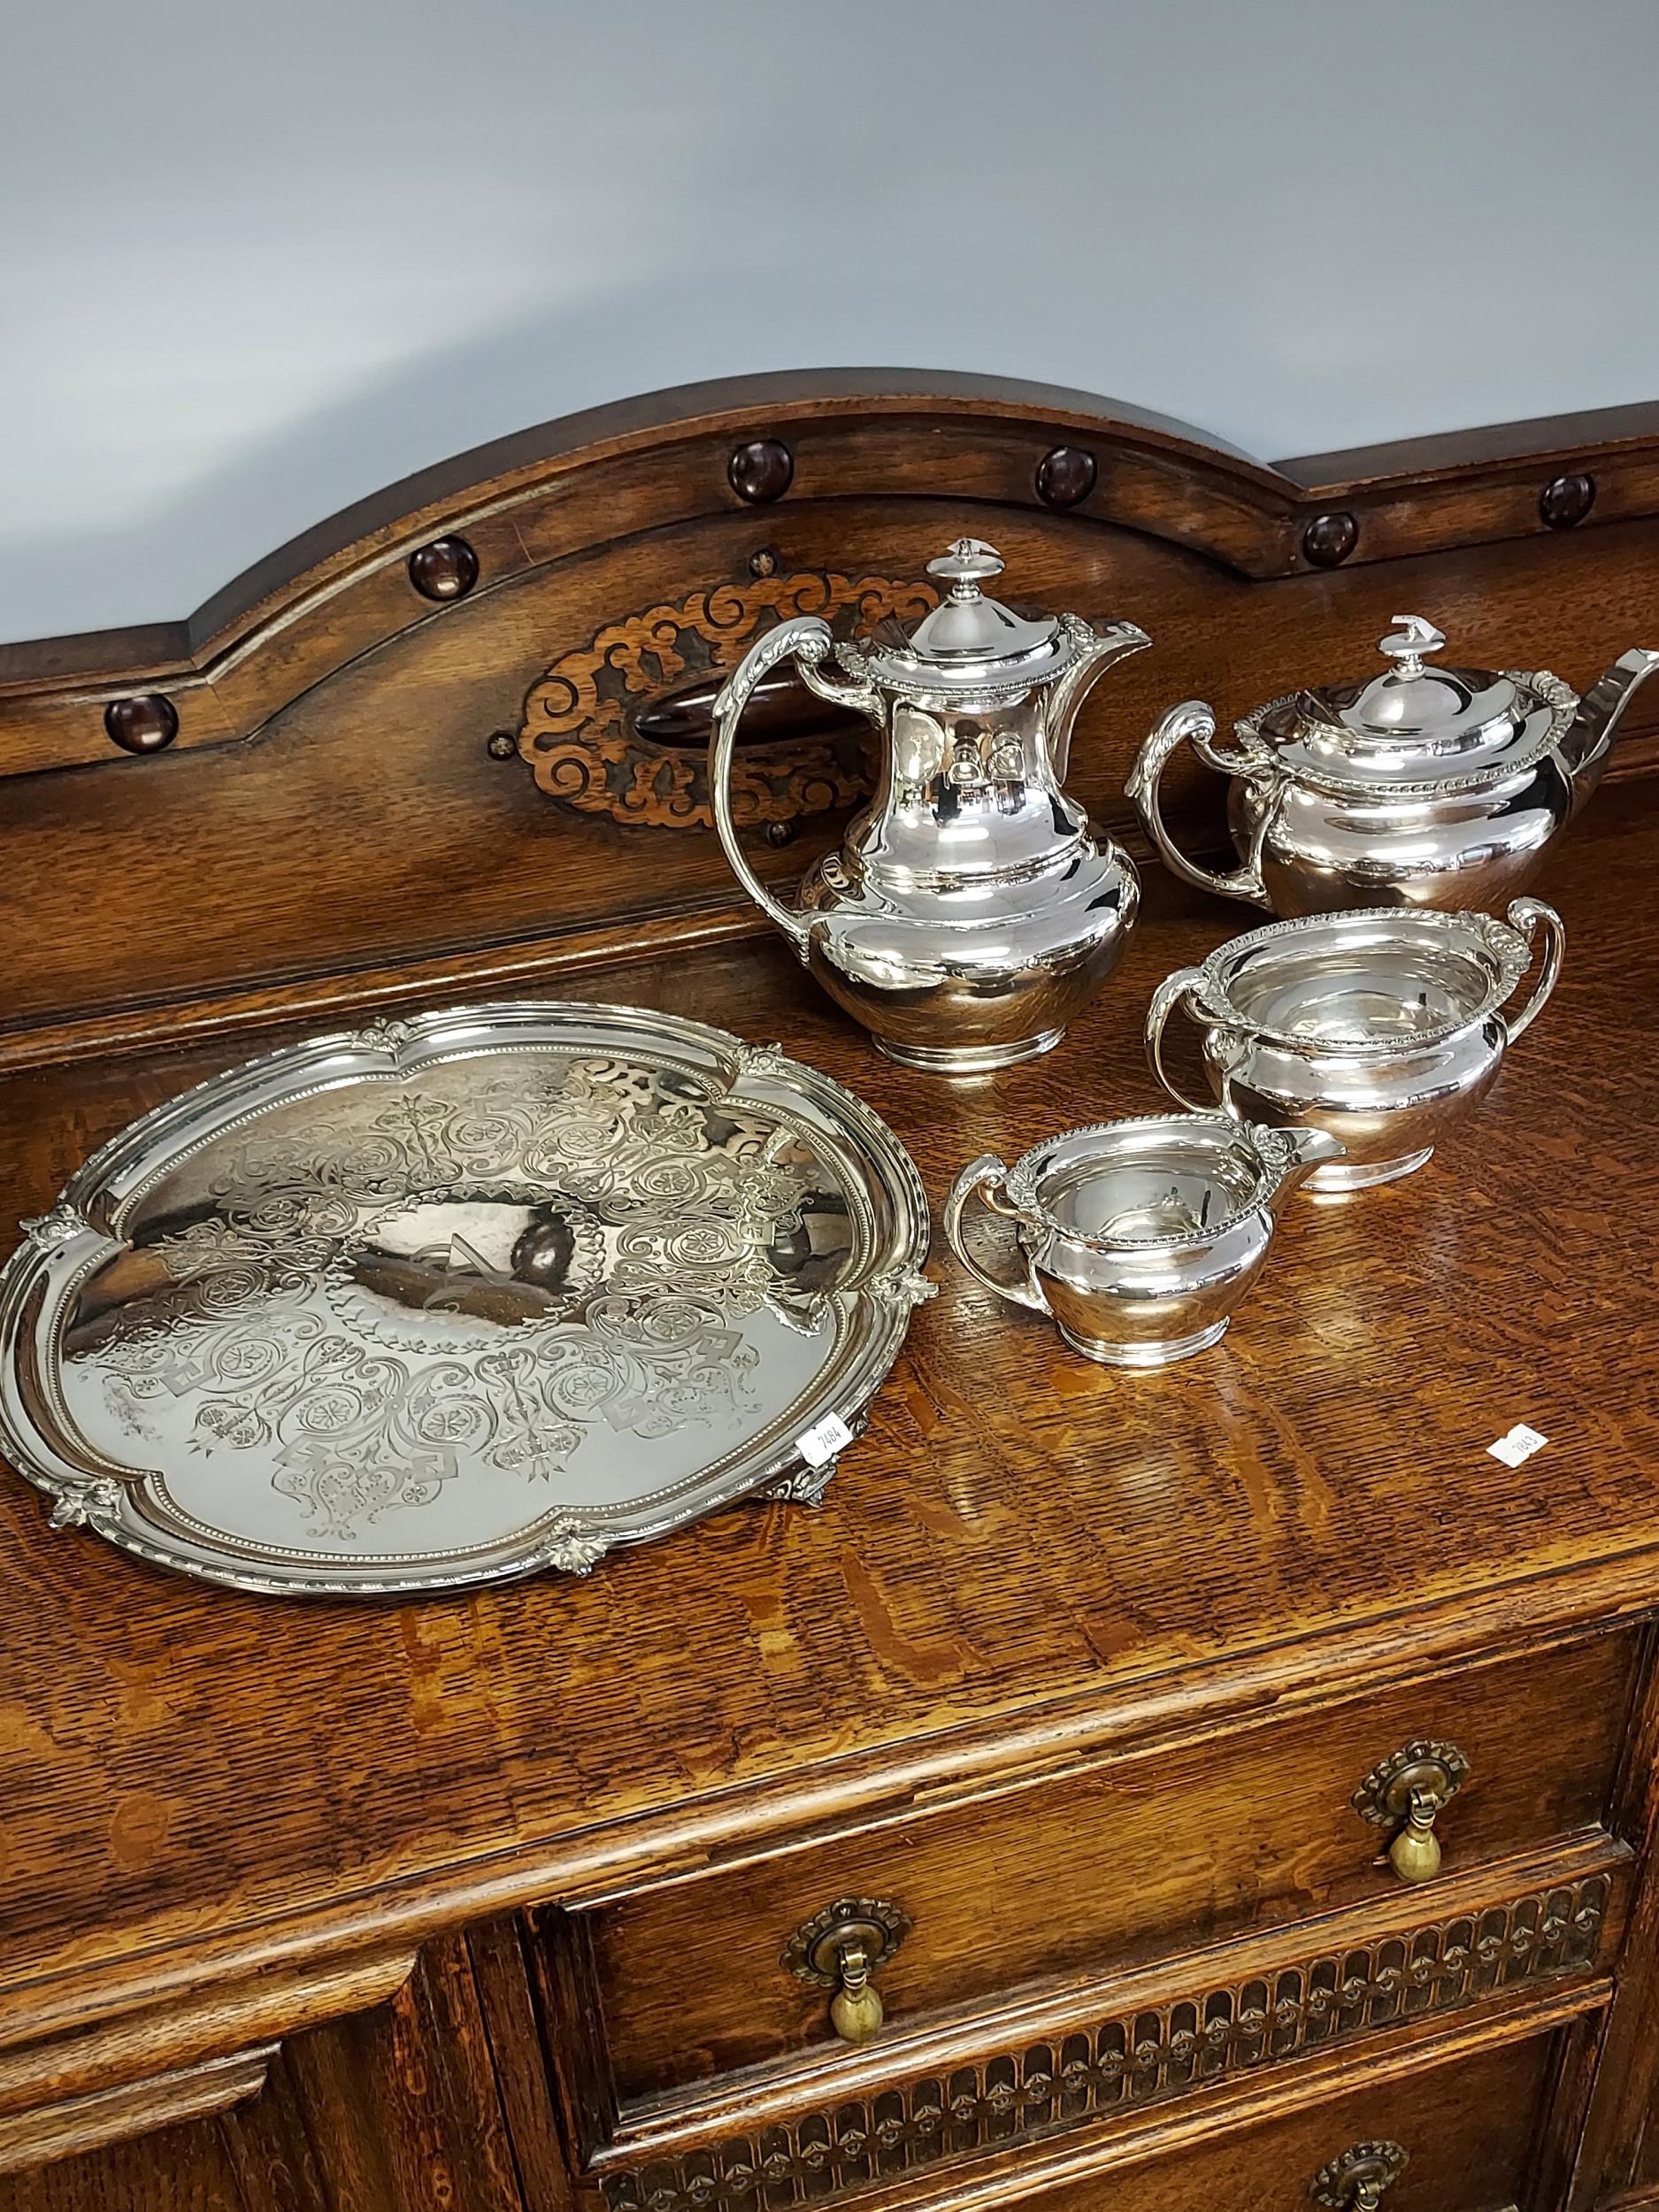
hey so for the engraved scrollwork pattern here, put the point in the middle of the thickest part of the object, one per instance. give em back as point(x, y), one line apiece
point(577, 729)
point(361, 1307)
point(1048, 2085)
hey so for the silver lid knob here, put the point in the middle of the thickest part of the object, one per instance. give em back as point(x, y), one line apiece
point(967, 564)
point(1406, 645)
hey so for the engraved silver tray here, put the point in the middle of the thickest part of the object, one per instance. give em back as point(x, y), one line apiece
point(446, 1301)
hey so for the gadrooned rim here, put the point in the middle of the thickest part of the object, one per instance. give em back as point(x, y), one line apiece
point(1503, 945)
point(1261, 1144)
point(1558, 698)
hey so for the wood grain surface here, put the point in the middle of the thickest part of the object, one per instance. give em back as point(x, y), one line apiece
point(689, 1975)
point(344, 793)
point(1028, 1561)
point(1081, 1666)
point(1472, 2133)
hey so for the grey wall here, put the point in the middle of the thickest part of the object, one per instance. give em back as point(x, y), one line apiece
point(256, 261)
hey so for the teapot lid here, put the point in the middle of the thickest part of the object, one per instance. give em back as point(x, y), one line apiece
point(970, 642)
point(1411, 724)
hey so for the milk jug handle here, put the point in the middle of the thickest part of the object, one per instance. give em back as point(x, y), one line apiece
point(984, 1178)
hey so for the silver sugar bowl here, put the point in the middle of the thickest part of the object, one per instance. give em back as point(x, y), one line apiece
point(973, 910)
point(1139, 1238)
point(1414, 787)
point(1384, 1029)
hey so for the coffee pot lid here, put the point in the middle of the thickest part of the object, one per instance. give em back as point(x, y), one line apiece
point(969, 641)
point(1409, 724)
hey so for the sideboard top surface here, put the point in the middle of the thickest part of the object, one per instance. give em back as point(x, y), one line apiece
point(410, 760)
point(1024, 1557)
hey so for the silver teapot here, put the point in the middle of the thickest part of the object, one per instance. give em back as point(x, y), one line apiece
point(973, 909)
point(1417, 787)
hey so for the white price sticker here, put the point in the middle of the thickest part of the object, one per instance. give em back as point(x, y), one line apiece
point(820, 1443)
point(1518, 1446)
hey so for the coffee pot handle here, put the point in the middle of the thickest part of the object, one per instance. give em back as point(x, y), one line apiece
point(1193, 724)
point(986, 1177)
point(1175, 990)
point(1526, 917)
point(806, 640)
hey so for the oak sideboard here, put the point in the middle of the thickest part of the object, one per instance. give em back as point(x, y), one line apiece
point(1089, 1701)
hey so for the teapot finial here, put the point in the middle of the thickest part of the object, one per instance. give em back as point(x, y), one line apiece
point(1406, 645)
point(969, 564)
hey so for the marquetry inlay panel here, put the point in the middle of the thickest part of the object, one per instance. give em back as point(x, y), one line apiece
point(1130, 2059)
point(580, 730)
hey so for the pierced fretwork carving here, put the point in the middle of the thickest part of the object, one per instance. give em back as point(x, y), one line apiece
point(580, 732)
point(1046, 2087)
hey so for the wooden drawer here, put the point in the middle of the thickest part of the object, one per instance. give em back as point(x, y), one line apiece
point(1138, 1859)
point(1479, 2134)
point(1068, 2079)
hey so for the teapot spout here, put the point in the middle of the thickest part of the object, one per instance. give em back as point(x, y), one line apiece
point(1584, 749)
point(1102, 649)
point(1308, 1148)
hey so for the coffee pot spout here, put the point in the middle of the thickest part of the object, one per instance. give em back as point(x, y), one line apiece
point(1102, 648)
point(1594, 729)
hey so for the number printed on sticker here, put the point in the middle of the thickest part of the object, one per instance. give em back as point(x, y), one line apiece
point(819, 1444)
point(1517, 1445)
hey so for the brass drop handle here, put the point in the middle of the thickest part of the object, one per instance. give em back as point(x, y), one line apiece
point(1356, 2181)
point(1405, 1792)
point(839, 1949)
point(856, 2009)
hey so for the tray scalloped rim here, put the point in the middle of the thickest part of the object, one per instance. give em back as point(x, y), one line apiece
point(873, 1306)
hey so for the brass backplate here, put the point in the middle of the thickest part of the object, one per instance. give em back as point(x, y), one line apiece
point(1359, 2176)
point(1439, 1769)
point(875, 1924)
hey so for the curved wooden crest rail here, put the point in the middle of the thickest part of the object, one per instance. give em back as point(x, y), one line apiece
point(1078, 1684)
point(331, 770)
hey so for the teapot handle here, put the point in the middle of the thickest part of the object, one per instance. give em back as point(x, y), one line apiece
point(1525, 916)
point(1193, 722)
point(807, 638)
point(1175, 990)
point(986, 1177)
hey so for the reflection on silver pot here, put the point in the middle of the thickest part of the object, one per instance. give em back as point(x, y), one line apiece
point(1139, 1238)
point(1384, 1029)
point(973, 909)
point(1417, 785)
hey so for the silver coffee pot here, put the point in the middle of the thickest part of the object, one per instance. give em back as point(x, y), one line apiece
point(972, 909)
point(1417, 785)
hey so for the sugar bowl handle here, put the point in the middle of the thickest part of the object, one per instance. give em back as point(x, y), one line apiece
point(984, 1177)
point(1193, 724)
point(1526, 917)
point(806, 640)
point(1175, 990)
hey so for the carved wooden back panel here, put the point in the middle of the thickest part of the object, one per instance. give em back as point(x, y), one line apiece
point(455, 736)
